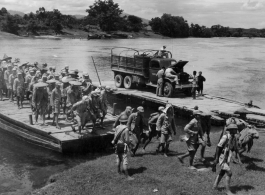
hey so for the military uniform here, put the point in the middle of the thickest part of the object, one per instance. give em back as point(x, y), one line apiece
point(160, 82)
point(55, 100)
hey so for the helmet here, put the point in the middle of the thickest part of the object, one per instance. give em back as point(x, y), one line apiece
point(231, 127)
point(123, 118)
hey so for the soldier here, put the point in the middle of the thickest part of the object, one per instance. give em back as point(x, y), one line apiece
point(96, 106)
point(76, 74)
point(160, 82)
point(200, 80)
point(36, 77)
point(166, 124)
point(28, 81)
point(121, 142)
point(82, 112)
point(87, 86)
point(11, 80)
point(171, 74)
point(50, 73)
point(72, 96)
point(103, 104)
point(40, 101)
point(19, 89)
point(57, 77)
point(65, 70)
point(34, 80)
point(55, 102)
point(50, 88)
point(7, 73)
point(194, 137)
point(136, 125)
point(224, 154)
point(21, 70)
point(152, 127)
point(128, 111)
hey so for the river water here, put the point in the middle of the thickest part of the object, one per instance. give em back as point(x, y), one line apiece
point(233, 68)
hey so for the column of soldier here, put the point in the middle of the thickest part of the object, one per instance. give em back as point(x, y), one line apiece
point(48, 91)
point(235, 137)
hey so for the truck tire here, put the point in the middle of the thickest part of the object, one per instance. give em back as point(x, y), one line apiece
point(127, 82)
point(118, 80)
point(168, 89)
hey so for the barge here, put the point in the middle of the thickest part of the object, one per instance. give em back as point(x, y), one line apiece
point(16, 121)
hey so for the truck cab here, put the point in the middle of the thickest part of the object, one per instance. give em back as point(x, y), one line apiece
point(141, 67)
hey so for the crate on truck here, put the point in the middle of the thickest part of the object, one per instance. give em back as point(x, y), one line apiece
point(135, 68)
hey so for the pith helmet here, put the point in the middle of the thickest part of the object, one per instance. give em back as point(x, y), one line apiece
point(231, 127)
point(140, 109)
point(161, 108)
point(123, 118)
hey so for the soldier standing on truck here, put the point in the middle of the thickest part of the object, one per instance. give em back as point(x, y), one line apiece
point(162, 52)
point(160, 82)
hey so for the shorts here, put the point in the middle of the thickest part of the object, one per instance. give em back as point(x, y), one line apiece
point(56, 109)
point(8, 86)
point(194, 146)
point(42, 110)
point(98, 113)
point(165, 138)
point(225, 167)
point(123, 157)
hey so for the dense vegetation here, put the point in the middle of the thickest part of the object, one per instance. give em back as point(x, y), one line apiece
point(106, 16)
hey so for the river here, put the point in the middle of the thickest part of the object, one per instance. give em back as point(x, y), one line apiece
point(233, 68)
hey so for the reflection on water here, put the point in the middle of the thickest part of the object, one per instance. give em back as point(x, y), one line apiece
point(233, 68)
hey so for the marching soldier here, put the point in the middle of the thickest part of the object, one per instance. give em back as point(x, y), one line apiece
point(136, 126)
point(166, 124)
point(121, 141)
point(152, 127)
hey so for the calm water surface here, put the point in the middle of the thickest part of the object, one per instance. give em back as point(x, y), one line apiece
point(233, 67)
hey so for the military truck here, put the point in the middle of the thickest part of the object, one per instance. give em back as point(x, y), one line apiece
point(133, 69)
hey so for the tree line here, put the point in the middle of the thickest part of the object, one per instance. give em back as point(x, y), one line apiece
point(109, 17)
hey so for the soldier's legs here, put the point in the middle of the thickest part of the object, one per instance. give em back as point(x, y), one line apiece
point(218, 179)
point(227, 182)
point(138, 139)
point(18, 101)
point(1, 94)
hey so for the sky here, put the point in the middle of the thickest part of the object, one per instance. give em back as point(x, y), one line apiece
point(231, 13)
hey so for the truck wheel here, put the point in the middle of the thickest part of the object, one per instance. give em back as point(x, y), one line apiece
point(118, 81)
point(128, 84)
point(168, 89)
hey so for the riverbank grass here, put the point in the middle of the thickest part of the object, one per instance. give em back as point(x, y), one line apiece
point(156, 174)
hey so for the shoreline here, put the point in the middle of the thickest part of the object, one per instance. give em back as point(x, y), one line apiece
point(77, 34)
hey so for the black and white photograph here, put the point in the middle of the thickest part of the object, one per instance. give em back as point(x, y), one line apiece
point(132, 97)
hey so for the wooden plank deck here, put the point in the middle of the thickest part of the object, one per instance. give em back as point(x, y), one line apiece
point(206, 103)
point(65, 134)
